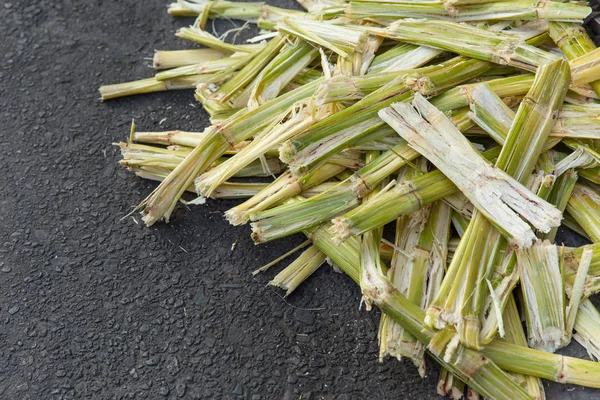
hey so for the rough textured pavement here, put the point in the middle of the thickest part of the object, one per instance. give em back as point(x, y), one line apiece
point(96, 306)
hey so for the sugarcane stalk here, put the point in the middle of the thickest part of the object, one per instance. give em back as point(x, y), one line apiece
point(510, 357)
point(342, 40)
point(427, 130)
point(217, 9)
point(498, 10)
point(206, 183)
point(206, 67)
point(299, 270)
point(403, 57)
point(417, 271)
point(281, 71)
point(166, 59)
point(584, 207)
point(358, 120)
point(462, 305)
point(574, 42)
point(161, 202)
point(515, 334)
point(199, 36)
point(587, 327)
point(467, 364)
point(559, 196)
point(151, 85)
point(450, 386)
point(283, 188)
point(469, 41)
point(585, 68)
point(271, 224)
point(405, 198)
point(544, 296)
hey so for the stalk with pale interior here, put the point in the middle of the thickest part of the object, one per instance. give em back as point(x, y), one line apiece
point(460, 302)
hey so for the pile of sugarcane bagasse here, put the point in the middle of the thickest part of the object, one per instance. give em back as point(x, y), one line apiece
point(471, 126)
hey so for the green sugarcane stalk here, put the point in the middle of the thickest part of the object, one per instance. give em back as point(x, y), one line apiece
point(559, 196)
point(151, 85)
point(507, 356)
point(417, 271)
point(272, 224)
point(584, 207)
point(342, 40)
point(585, 68)
point(250, 70)
point(544, 296)
point(199, 36)
point(462, 305)
point(450, 386)
point(587, 327)
point(489, 11)
point(402, 57)
point(281, 71)
point(161, 202)
point(284, 187)
point(166, 59)
point(482, 44)
point(405, 198)
point(356, 121)
point(574, 42)
point(427, 130)
point(207, 67)
point(217, 9)
point(299, 270)
point(515, 334)
point(378, 290)
point(207, 182)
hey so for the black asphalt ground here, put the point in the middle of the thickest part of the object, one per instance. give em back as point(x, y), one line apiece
point(93, 306)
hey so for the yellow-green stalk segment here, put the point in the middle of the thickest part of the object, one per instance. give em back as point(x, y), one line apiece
point(151, 85)
point(199, 36)
point(166, 59)
point(249, 71)
point(578, 122)
point(161, 202)
point(587, 329)
point(138, 156)
point(405, 198)
point(430, 133)
point(585, 68)
point(207, 182)
point(469, 41)
point(510, 357)
point(544, 296)
point(299, 270)
point(514, 333)
point(402, 57)
point(250, 11)
point(559, 196)
point(574, 42)
point(355, 122)
point(498, 10)
point(228, 190)
point(393, 341)
point(584, 207)
point(290, 62)
point(207, 67)
point(283, 188)
point(462, 305)
point(417, 270)
point(449, 385)
point(341, 39)
point(275, 223)
point(469, 365)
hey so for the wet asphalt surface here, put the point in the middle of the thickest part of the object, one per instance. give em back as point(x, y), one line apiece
point(96, 306)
